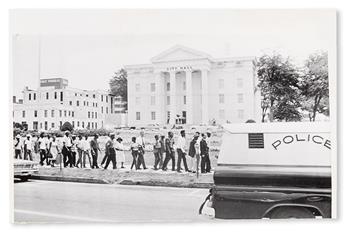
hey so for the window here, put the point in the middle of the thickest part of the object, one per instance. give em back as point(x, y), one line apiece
point(29, 96)
point(69, 113)
point(87, 103)
point(88, 114)
point(78, 124)
point(55, 95)
point(47, 95)
point(77, 103)
point(221, 98)
point(240, 98)
point(137, 115)
point(95, 125)
point(92, 114)
point(61, 96)
point(153, 87)
point(153, 115)
point(72, 114)
point(185, 99)
point(60, 112)
point(46, 125)
point(45, 113)
point(240, 114)
point(184, 85)
point(106, 109)
point(52, 113)
point(168, 100)
point(221, 83)
point(23, 114)
point(73, 123)
point(95, 114)
point(53, 125)
point(106, 99)
point(65, 113)
point(34, 96)
point(60, 124)
point(102, 98)
point(102, 110)
point(137, 87)
point(222, 114)
point(153, 100)
point(239, 82)
point(70, 103)
point(92, 125)
point(94, 95)
point(75, 94)
point(168, 86)
point(35, 113)
point(35, 125)
point(137, 100)
point(82, 124)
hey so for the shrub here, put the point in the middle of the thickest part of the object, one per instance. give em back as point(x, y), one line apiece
point(66, 126)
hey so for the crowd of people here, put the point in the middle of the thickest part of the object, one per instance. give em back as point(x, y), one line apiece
point(75, 151)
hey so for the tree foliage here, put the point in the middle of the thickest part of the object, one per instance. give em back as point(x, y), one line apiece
point(314, 85)
point(67, 126)
point(118, 84)
point(279, 85)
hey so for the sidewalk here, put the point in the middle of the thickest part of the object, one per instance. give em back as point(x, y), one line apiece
point(126, 176)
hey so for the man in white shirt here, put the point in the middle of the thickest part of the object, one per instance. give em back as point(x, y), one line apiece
point(43, 147)
point(181, 151)
point(86, 151)
point(66, 150)
point(18, 147)
point(141, 141)
point(28, 148)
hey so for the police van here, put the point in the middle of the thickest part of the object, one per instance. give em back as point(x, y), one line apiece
point(272, 170)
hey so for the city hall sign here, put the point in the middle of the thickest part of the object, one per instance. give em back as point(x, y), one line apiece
point(179, 68)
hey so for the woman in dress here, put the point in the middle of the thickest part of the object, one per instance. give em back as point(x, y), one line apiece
point(54, 150)
point(120, 151)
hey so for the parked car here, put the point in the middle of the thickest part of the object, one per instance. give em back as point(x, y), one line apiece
point(272, 170)
point(24, 169)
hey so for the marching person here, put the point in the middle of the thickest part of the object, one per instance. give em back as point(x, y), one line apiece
point(105, 157)
point(86, 151)
point(157, 152)
point(192, 153)
point(135, 151)
point(74, 150)
point(54, 151)
point(109, 146)
point(43, 146)
point(163, 150)
point(204, 152)
point(120, 151)
point(94, 151)
point(66, 149)
point(170, 154)
point(28, 148)
point(141, 142)
point(18, 147)
point(181, 151)
point(197, 152)
point(79, 145)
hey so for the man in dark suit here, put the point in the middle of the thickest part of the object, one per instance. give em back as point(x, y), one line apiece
point(205, 159)
point(170, 153)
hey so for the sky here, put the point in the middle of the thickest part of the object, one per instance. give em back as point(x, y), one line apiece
point(88, 46)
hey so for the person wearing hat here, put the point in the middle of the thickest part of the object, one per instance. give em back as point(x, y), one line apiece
point(18, 147)
point(120, 150)
point(94, 151)
point(109, 146)
point(28, 147)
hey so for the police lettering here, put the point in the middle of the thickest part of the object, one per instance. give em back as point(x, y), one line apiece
point(317, 139)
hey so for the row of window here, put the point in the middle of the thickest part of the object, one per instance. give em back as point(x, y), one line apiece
point(240, 114)
point(221, 85)
point(87, 125)
point(55, 96)
point(221, 99)
point(92, 114)
point(62, 113)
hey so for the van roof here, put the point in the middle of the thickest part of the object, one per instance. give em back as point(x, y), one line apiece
point(276, 127)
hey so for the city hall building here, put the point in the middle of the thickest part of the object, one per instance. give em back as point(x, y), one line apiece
point(53, 103)
point(182, 85)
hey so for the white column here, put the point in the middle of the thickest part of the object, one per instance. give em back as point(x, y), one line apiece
point(204, 96)
point(189, 96)
point(159, 97)
point(172, 98)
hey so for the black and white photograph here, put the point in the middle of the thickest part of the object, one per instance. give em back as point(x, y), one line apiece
point(172, 115)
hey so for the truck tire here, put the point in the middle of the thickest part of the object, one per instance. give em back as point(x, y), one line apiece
point(291, 212)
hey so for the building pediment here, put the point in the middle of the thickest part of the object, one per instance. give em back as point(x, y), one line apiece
point(179, 53)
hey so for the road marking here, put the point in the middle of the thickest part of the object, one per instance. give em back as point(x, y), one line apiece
point(70, 217)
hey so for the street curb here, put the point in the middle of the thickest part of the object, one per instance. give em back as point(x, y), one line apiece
point(167, 184)
point(69, 179)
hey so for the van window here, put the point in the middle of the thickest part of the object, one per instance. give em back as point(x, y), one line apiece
point(256, 140)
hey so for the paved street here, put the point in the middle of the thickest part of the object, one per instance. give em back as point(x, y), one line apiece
point(45, 201)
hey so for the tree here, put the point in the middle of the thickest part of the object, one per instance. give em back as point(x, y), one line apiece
point(314, 85)
point(118, 85)
point(66, 126)
point(279, 85)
